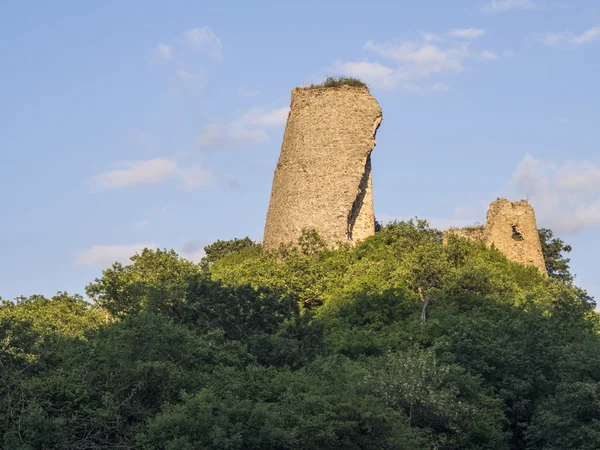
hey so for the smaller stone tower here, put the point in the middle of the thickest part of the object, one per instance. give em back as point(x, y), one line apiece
point(512, 229)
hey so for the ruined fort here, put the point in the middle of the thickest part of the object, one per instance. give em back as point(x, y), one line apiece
point(512, 229)
point(323, 179)
point(323, 176)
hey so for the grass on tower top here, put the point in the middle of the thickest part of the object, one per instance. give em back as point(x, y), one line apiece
point(334, 82)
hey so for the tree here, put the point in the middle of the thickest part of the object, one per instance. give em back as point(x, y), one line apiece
point(220, 249)
point(309, 348)
point(557, 265)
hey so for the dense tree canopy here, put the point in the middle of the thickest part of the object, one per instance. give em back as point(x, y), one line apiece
point(309, 348)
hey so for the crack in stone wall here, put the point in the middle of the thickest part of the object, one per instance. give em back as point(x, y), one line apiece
point(323, 179)
point(512, 229)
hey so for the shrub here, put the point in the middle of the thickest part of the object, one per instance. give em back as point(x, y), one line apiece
point(335, 82)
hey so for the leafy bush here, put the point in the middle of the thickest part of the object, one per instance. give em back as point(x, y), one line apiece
point(339, 81)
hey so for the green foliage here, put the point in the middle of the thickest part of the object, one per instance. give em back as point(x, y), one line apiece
point(475, 227)
point(335, 82)
point(220, 249)
point(557, 264)
point(308, 348)
point(156, 280)
point(568, 419)
point(62, 314)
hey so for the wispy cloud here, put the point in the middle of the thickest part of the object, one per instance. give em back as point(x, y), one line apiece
point(489, 55)
point(566, 196)
point(498, 6)
point(567, 38)
point(202, 39)
point(158, 170)
point(404, 62)
point(374, 73)
point(195, 177)
point(264, 117)
point(163, 52)
point(421, 59)
point(136, 172)
point(250, 128)
point(180, 55)
point(467, 33)
point(105, 255)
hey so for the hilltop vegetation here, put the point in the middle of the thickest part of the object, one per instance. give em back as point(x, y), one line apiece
point(334, 82)
point(308, 348)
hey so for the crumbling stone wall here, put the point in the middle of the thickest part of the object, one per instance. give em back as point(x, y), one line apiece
point(512, 229)
point(323, 178)
point(472, 233)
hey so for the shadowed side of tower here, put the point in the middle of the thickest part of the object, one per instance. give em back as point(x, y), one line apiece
point(323, 177)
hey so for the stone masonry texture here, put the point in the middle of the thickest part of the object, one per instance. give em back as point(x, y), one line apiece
point(512, 229)
point(323, 176)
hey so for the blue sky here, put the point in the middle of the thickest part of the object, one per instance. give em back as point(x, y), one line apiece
point(132, 124)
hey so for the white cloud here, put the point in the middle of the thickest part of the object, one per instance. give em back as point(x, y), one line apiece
point(266, 118)
point(196, 177)
point(569, 38)
point(105, 255)
point(247, 129)
point(165, 51)
point(137, 172)
point(142, 224)
point(243, 135)
point(187, 73)
point(374, 73)
point(497, 6)
point(579, 176)
point(467, 33)
point(158, 170)
point(566, 196)
point(162, 52)
point(420, 60)
point(203, 39)
point(489, 55)
point(431, 37)
point(407, 61)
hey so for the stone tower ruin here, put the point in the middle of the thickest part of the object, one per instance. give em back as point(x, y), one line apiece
point(323, 176)
point(511, 228)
